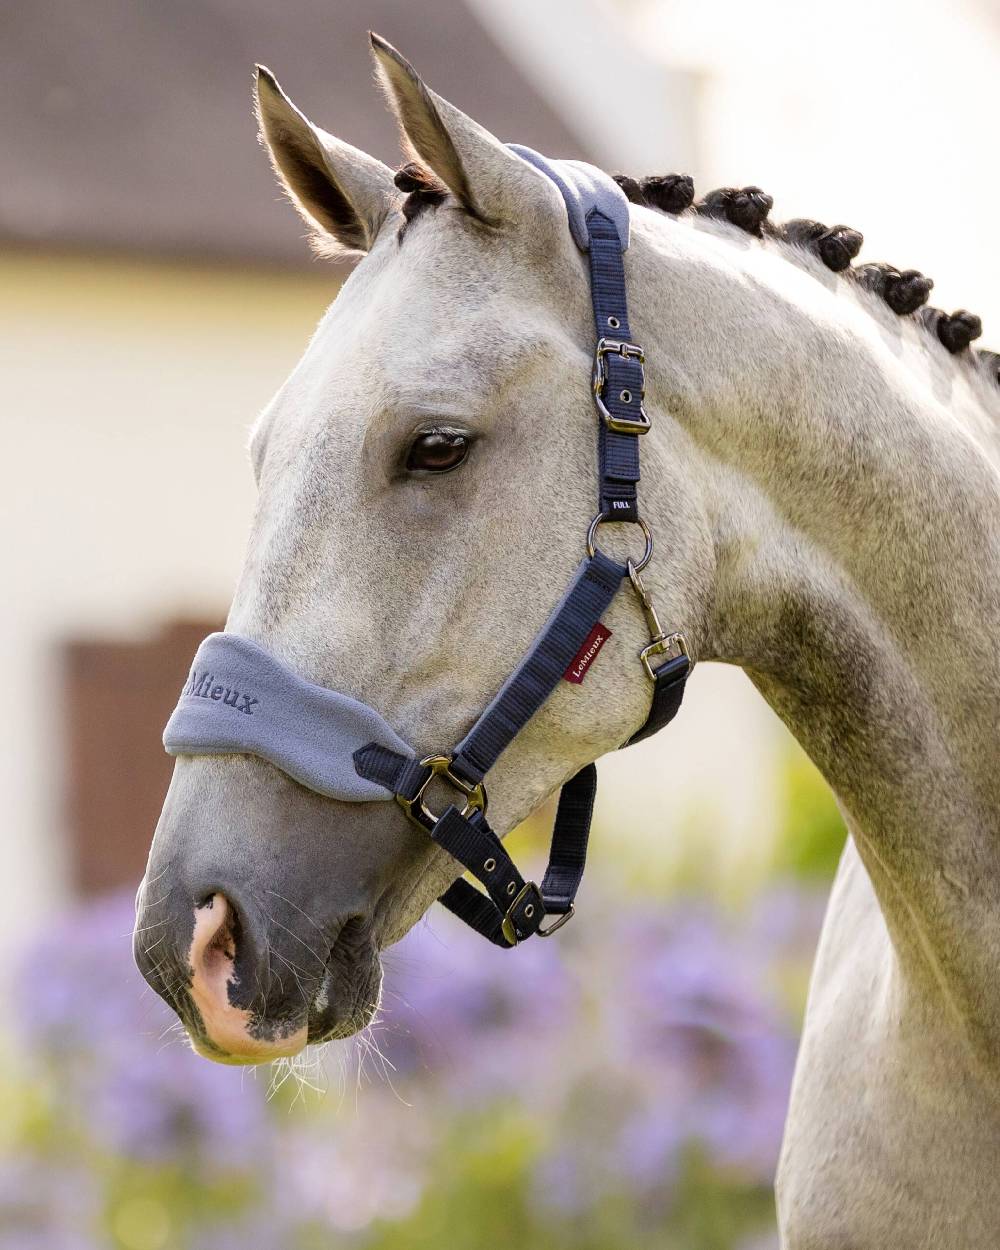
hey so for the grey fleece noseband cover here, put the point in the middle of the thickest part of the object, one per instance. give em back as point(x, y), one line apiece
point(239, 699)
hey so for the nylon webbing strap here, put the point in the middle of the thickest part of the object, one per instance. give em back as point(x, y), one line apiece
point(618, 454)
point(476, 909)
point(508, 897)
point(570, 835)
point(477, 848)
point(595, 585)
point(668, 691)
point(472, 842)
point(402, 774)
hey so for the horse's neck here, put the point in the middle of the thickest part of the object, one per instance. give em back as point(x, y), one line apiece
point(855, 500)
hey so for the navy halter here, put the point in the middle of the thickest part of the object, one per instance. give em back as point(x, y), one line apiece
point(241, 699)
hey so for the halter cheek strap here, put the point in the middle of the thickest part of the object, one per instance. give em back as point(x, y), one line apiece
point(240, 698)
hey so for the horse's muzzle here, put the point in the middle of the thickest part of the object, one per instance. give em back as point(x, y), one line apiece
point(247, 996)
point(256, 921)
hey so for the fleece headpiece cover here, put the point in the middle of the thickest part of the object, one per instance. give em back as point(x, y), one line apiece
point(585, 189)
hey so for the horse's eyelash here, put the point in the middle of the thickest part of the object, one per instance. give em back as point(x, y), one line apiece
point(450, 431)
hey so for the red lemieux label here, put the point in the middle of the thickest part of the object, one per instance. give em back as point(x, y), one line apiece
point(580, 664)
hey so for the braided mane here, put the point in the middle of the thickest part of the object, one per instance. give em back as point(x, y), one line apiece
point(905, 291)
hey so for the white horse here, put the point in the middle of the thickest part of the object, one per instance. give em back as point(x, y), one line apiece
point(826, 476)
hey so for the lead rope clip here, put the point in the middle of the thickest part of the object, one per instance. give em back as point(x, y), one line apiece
point(660, 643)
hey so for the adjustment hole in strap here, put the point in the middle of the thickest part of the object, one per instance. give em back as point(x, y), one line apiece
point(614, 323)
point(512, 887)
point(489, 865)
point(529, 911)
point(626, 397)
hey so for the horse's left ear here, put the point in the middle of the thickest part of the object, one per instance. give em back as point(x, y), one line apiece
point(486, 178)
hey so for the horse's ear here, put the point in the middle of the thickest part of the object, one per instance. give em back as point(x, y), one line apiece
point(343, 194)
point(484, 176)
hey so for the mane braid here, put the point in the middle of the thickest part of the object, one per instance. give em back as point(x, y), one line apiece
point(904, 291)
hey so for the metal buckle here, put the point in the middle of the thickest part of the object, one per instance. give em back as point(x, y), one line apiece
point(628, 351)
point(675, 643)
point(440, 766)
point(507, 924)
point(647, 534)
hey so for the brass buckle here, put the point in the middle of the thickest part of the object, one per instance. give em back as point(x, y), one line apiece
point(628, 351)
point(440, 766)
point(507, 924)
point(664, 645)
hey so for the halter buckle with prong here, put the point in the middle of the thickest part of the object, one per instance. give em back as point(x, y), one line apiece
point(527, 890)
point(640, 423)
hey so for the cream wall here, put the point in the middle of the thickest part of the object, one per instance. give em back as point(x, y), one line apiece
point(128, 392)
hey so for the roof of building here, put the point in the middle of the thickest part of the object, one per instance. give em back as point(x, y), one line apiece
point(128, 126)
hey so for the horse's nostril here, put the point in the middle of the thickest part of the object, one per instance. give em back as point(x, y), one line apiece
point(217, 931)
point(220, 947)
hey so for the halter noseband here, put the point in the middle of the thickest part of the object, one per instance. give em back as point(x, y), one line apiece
point(241, 699)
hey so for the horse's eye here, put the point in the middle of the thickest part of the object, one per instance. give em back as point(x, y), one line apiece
point(438, 451)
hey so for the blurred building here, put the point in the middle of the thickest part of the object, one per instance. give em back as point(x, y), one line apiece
point(156, 293)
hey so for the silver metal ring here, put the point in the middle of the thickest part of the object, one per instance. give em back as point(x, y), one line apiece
point(601, 519)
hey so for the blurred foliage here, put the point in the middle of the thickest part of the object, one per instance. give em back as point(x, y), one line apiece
point(625, 1085)
point(813, 832)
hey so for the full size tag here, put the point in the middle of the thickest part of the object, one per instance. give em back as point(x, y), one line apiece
point(580, 664)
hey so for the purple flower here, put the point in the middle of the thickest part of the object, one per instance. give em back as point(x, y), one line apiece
point(123, 1075)
point(46, 1206)
point(471, 1013)
point(633, 1036)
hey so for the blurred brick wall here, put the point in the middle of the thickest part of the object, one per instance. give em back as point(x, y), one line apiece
point(118, 696)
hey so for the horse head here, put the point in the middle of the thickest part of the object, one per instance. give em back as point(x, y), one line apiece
point(426, 477)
